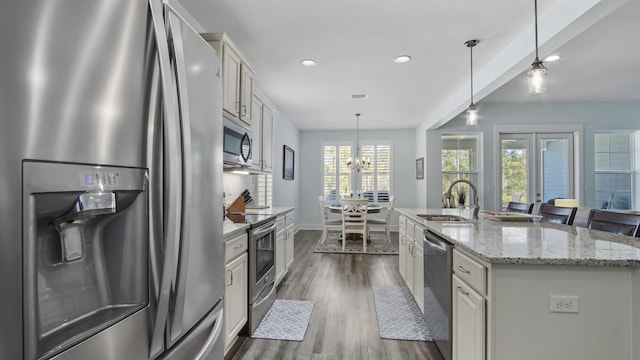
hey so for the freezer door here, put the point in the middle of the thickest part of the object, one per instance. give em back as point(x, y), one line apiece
point(199, 281)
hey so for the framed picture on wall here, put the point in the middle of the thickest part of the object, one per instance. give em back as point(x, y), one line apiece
point(288, 163)
point(420, 169)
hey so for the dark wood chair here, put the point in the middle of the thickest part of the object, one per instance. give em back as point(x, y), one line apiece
point(614, 222)
point(556, 214)
point(518, 207)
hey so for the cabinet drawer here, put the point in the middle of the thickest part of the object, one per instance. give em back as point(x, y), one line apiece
point(288, 219)
point(235, 246)
point(280, 221)
point(410, 229)
point(471, 271)
point(418, 234)
point(403, 223)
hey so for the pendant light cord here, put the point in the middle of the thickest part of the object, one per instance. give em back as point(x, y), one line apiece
point(471, 65)
point(535, 11)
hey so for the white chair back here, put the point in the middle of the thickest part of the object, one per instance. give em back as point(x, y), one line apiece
point(323, 209)
point(354, 220)
point(392, 199)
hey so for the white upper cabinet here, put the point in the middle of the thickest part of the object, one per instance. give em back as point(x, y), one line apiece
point(237, 79)
point(262, 126)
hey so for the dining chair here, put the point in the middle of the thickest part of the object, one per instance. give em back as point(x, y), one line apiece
point(354, 220)
point(556, 214)
point(614, 222)
point(518, 207)
point(326, 223)
point(383, 223)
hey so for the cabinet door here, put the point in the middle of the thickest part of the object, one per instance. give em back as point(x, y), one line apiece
point(418, 276)
point(402, 254)
point(231, 81)
point(281, 257)
point(290, 247)
point(236, 297)
point(256, 127)
point(267, 138)
point(408, 270)
point(246, 95)
point(468, 322)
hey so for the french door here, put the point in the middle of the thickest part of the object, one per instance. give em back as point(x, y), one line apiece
point(536, 167)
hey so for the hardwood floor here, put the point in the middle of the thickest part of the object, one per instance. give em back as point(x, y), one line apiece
point(343, 324)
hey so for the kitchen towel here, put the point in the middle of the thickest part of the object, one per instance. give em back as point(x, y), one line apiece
point(286, 320)
point(398, 315)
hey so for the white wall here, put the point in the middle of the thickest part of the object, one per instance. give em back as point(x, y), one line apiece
point(310, 168)
point(285, 192)
point(592, 116)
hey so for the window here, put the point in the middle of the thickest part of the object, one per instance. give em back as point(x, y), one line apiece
point(460, 161)
point(613, 170)
point(376, 181)
point(264, 190)
point(338, 180)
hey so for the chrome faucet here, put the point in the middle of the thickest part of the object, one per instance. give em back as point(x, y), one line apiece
point(476, 207)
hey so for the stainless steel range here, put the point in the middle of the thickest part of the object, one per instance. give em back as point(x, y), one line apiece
point(262, 270)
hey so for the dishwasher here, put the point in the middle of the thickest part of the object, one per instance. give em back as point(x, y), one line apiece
point(438, 264)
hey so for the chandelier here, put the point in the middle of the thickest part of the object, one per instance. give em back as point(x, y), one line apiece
point(359, 163)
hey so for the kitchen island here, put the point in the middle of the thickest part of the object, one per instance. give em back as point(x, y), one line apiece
point(521, 270)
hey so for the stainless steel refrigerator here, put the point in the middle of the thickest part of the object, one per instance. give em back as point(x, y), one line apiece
point(110, 183)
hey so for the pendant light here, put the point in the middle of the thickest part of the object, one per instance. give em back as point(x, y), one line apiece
point(537, 75)
point(358, 163)
point(472, 111)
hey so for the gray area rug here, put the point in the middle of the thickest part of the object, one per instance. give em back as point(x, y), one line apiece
point(286, 320)
point(398, 315)
point(379, 245)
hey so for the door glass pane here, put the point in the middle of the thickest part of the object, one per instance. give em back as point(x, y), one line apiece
point(554, 169)
point(514, 170)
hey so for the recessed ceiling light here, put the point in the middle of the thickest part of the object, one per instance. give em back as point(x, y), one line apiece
point(552, 58)
point(359, 96)
point(402, 59)
point(308, 62)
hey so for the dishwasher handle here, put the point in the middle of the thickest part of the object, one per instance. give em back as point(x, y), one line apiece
point(434, 243)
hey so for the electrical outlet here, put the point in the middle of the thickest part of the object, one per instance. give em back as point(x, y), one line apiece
point(564, 304)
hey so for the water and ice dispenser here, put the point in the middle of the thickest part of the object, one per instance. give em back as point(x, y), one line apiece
point(85, 252)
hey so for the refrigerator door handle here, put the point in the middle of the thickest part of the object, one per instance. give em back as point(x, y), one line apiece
point(175, 35)
point(213, 337)
point(172, 170)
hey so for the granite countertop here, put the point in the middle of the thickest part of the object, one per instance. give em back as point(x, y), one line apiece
point(536, 243)
point(229, 228)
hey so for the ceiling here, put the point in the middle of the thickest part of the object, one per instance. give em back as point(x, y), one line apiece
point(354, 43)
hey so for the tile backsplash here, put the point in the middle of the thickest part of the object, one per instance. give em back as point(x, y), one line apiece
point(233, 185)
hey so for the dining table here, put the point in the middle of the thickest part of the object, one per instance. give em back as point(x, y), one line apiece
point(371, 209)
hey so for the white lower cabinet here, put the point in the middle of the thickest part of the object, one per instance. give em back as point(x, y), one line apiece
point(418, 274)
point(284, 244)
point(468, 322)
point(411, 259)
point(236, 297)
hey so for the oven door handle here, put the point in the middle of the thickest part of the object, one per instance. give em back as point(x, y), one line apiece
point(259, 232)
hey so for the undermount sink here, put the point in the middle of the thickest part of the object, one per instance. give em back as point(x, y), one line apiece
point(443, 218)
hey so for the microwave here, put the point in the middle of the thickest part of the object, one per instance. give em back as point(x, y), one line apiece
point(237, 142)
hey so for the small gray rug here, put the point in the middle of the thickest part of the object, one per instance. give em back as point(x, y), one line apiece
point(378, 245)
point(398, 315)
point(286, 320)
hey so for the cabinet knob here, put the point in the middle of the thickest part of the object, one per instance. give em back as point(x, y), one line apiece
point(463, 270)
